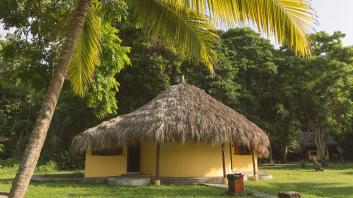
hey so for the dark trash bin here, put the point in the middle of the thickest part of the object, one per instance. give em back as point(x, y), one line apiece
point(235, 183)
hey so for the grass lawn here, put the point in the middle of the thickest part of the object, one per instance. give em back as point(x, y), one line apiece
point(61, 190)
point(335, 182)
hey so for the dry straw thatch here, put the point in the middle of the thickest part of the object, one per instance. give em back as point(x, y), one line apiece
point(182, 113)
point(3, 139)
point(307, 140)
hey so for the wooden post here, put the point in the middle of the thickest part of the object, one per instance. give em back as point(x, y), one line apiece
point(224, 165)
point(157, 182)
point(254, 165)
point(231, 156)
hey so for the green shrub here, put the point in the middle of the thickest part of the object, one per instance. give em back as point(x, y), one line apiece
point(49, 167)
point(9, 162)
point(8, 168)
point(66, 161)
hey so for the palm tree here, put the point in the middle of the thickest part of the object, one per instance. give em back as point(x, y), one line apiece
point(188, 24)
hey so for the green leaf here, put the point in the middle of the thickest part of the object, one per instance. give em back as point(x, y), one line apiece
point(189, 31)
point(86, 56)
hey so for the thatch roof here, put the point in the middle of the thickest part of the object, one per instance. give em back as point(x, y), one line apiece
point(307, 139)
point(3, 139)
point(182, 113)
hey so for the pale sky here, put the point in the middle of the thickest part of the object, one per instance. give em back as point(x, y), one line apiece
point(333, 15)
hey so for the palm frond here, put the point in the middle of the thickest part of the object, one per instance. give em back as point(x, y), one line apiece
point(86, 56)
point(190, 32)
point(289, 21)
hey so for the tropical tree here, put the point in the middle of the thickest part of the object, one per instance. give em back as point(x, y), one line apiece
point(186, 24)
point(280, 92)
point(329, 75)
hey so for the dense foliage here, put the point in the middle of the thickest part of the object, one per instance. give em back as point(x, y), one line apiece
point(283, 93)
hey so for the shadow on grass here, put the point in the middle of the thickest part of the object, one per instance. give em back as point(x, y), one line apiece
point(348, 173)
point(104, 190)
point(6, 180)
point(281, 166)
point(336, 190)
point(308, 166)
point(73, 189)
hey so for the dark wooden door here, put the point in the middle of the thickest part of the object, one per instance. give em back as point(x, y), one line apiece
point(133, 158)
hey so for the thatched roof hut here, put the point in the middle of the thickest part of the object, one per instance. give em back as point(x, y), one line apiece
point(307, 140)
point(182, 113)
point(3, 139)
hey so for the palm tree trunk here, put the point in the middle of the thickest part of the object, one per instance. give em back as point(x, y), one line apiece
point(284, 154)
point(37, 138)
point(340, 153)
point(271, 155)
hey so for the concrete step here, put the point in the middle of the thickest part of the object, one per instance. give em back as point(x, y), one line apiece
point(265, 176)
point(137, 175)
point(129, 181)
point(4, 194)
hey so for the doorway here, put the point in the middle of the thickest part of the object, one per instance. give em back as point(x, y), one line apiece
point(133, 158)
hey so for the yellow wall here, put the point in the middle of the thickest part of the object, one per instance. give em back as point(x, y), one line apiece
point(243, 163)
point(103, 166)
point(314, 153)
point(176, 160)
point(148, 158)
point(189, 160)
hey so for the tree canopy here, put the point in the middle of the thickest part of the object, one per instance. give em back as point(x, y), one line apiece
point(283, 93)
